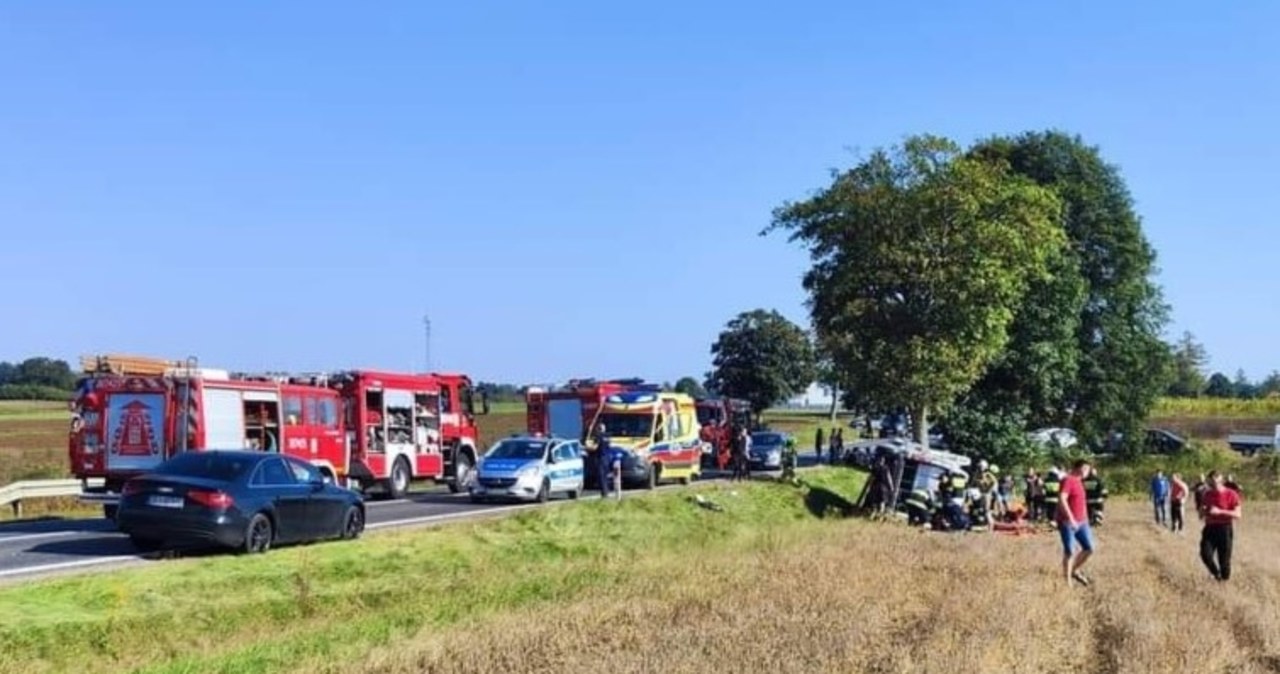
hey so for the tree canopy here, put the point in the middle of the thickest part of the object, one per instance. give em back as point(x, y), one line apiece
point(922, 257)
point(690, 386)
point(1107, 373)
point(761, 357)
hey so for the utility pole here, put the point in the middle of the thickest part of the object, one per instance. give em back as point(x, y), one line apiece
point(426, 322)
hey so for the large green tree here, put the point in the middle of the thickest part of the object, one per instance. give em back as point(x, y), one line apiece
point(690, 386)
point(921, 259)
point(762, 358)
point(1114, 366)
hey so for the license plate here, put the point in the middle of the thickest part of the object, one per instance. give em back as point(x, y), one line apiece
point(165, 501)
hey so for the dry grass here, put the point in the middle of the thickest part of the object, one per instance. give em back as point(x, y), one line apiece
point(882, 598)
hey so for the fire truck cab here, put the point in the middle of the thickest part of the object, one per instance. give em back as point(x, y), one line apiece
point(718, 418)
point(130, 414)
point(405, 427)
point(566, 411)
point(658, 431)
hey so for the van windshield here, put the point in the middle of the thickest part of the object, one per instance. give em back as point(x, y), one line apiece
point(628, 424)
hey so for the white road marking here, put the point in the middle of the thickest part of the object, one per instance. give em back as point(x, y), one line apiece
point(60, 566)
point(32, 537)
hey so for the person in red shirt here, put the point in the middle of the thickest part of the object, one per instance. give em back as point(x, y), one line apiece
point(1073, 523)
point(1220, 508)
point(1177, 499)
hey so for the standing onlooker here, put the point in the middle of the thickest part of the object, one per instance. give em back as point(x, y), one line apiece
point(817, 444)
point(739, 445)
point(1197, 492)
point(1230, 483)
point(1073, 523)
point(1034, 491)
point(1177, 497)
point(831, 447)
point(839, 453)
point(604, 459)
point(1160, 496)
point(1004, 493)
point(1221, 510)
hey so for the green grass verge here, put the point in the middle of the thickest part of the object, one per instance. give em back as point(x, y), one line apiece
point(342, 600)
point(32, 410)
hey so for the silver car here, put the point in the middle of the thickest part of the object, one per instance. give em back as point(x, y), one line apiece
point(766, 450)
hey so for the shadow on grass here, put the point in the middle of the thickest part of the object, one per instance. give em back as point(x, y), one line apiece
point(822, 502)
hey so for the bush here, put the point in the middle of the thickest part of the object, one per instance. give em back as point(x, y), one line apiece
point(1132, 476)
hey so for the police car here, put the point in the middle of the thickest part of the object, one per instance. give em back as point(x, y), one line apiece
point(529, 468)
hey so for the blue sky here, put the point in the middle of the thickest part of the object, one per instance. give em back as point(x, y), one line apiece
point(572, 189)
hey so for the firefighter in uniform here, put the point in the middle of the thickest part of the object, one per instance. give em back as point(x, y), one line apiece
point(1095, 495)
point(919, 507)
point(1052, 489)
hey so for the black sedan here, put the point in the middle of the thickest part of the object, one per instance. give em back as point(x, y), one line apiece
point(243, 500)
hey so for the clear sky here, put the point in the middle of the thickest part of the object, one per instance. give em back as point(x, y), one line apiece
point(569, 189)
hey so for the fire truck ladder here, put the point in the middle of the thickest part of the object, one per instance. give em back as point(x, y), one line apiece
point(125, 365)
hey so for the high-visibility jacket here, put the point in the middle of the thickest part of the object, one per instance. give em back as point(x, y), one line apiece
point(1095, 492)
point(1052, 488)
point(919, 499)
point(958, 484)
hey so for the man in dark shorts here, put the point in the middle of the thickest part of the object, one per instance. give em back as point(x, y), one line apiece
point(1220, 509)
point(1073, 523)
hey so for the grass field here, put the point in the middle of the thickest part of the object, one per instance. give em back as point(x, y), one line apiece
point(659, 585)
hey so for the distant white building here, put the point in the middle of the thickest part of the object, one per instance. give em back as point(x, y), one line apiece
point(816, 396)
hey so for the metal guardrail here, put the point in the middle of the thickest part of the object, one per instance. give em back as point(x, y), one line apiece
point(14, 494)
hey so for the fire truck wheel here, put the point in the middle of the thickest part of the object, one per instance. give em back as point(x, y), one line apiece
point(463, 472)
point(353, 523)
point(258, 535)
point(398, 484)
point(545, 492)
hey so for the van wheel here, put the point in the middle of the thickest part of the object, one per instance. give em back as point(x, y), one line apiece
point(684, 481)
point(545, 492)
point(258, 535)
point(398, 483)
point(573, 494)
point(653, 477)
point(109, 511)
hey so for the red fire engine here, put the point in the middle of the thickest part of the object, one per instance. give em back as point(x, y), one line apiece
point(130, 414)
point(404, 427)
point(718, 417)
point(566, 411)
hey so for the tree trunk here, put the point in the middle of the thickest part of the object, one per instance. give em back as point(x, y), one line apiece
point(921, 417)
point(835, 401)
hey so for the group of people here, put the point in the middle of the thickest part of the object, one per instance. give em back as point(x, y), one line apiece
point(1217, 503)
point(834, 444)
point(1217, 500)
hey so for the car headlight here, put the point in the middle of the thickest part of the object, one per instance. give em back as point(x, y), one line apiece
point(527, 472)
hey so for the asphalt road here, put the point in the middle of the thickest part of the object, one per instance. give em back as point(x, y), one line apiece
point(45, 547)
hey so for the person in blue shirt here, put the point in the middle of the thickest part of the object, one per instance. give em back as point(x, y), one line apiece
point(1160, 497)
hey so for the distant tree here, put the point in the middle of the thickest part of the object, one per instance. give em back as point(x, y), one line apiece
point(1189, 359)
point(762, 358)
point(1270, 386)
point(7, 372)
point(690, 386)
point(1220, 386)
point(501, 392)
point(1243, 387)
point(922, 258)
point(42, 371)
point(1110, 378)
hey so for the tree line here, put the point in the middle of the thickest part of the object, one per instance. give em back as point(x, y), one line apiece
point(1191, 379)
point(36, 378)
